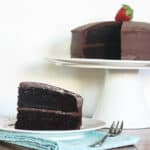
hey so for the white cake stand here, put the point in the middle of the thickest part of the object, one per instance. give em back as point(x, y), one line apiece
point(123, 97)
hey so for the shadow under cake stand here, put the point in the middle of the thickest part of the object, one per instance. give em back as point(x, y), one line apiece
point(123, 97)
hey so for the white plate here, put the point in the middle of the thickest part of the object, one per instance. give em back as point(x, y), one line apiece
point(7, 124)
point(101, 63)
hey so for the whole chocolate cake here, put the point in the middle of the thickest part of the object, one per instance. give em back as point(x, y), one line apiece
point(46, 107)
point(112, 40)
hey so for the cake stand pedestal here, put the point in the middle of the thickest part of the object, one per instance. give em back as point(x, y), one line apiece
point(123, 96)
point(123, 99)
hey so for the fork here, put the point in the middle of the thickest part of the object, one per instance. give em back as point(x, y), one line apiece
point(115, 129)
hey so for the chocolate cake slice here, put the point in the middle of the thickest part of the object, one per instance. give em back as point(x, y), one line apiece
point(46, 107)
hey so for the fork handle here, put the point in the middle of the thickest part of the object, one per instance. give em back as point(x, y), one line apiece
point(100, 142)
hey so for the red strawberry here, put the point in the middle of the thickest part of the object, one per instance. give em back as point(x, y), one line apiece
point(124, 14)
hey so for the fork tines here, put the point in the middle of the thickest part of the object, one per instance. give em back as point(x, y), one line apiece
point(116, 128)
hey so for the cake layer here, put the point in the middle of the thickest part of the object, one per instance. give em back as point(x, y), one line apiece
point(106, 50)
point(104, 32)
point(40, 119)
point(39, 95)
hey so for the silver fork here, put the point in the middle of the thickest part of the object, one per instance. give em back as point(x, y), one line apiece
point(115, 129)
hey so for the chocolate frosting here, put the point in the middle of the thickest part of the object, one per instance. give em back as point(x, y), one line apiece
point(135, 41)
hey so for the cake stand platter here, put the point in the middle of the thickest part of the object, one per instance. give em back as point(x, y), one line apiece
point(100, 63)
point(123, 96)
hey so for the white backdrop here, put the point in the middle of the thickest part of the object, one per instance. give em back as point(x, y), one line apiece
point(31, 30)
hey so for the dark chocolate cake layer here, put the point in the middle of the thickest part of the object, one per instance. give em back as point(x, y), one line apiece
point(46, 107)
point(99, 51)
point(40, 119)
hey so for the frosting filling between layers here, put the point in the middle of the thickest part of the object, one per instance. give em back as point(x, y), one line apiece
point(49, 111)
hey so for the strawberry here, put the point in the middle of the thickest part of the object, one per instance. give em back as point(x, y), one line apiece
point(125, 13)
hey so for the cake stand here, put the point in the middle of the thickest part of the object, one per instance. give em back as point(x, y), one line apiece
point(123, 96)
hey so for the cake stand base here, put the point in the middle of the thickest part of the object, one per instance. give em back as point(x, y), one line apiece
point(123, 99)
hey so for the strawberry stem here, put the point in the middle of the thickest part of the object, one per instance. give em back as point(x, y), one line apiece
point(129, 10)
